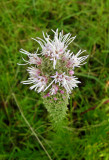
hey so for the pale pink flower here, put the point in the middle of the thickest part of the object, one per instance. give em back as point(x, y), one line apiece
point(56, 47)
point(33, 71)
point(61, 91)
point(54, 89)
point(69, 83)
point(58, 77)
point(55, 99)
point(56, 50)
point(39, 82)
point(71, 72)
point(47, 95)
point(33, 58)
point(66, 55)
point(66, 81)
point(75, 61)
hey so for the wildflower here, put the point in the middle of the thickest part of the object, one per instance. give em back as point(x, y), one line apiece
point(57, 77)
point(52, 72)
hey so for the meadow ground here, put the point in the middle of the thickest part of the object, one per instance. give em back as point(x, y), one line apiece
point(87, 135)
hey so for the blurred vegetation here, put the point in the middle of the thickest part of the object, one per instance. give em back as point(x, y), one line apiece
point(87, 135)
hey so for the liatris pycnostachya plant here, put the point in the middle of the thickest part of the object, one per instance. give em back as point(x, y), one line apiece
point(51, 72)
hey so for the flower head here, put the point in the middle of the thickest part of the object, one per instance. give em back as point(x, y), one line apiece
point(52, 71)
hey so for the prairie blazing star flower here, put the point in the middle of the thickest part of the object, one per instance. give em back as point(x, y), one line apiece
point(52, 70)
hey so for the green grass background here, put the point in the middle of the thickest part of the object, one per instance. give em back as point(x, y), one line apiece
point(87, 135)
